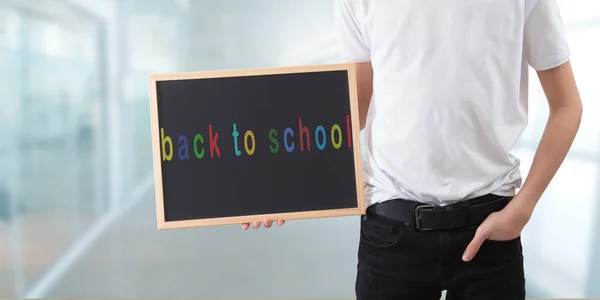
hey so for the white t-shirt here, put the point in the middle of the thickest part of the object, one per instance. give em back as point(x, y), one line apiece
point(450, 91)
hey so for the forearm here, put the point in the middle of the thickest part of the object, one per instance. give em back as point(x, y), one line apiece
point(563, 123)
point(364, 101)
point(364, 90)
point(556, 141)
point(561, 129)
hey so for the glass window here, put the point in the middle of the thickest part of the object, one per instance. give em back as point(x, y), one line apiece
point(578, 12)
point(75, 109)
point(51, 155)
point(566, 219)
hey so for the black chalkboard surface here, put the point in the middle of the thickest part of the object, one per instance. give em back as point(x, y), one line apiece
point(239, 146)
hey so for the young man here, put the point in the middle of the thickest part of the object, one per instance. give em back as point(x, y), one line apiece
point(443, 100)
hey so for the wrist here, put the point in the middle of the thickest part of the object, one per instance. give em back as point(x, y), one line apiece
point(521, 208)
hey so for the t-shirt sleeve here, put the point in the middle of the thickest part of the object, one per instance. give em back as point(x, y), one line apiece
point(352, 43)
point(545, 45)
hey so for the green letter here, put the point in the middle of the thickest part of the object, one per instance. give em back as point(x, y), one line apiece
point(337, 128)
point(197, 138)
point(273, 139)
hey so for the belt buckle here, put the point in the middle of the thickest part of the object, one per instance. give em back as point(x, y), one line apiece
point(418, 216)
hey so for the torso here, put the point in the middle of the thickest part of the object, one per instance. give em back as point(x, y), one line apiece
point(450, 98)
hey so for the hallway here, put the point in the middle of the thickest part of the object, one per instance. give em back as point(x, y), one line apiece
point(314, 258)
point(77, 207)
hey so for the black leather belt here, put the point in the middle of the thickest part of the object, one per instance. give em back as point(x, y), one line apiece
point(430, 217)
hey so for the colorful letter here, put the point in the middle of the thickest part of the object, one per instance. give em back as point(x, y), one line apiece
point(303, 132)
point(235, 135)
point(285, 143)
point(213, 142)
point(337, 128)
point(183, 148)
point(164, 141)
point(197, 138)
point(249, 150)
point(320, 145)
point(273, 138)
point(348, 131)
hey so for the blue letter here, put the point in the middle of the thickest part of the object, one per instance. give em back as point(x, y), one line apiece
point(183, 148)
point(235, 134)
point(323, 142)
point(285, 135)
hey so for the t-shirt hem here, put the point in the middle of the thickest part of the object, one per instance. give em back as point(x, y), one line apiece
point(356, 60)
point(552, 65)
point(375, 199)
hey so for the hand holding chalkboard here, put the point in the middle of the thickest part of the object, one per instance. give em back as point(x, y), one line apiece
point(245, 146)
point(267, 222)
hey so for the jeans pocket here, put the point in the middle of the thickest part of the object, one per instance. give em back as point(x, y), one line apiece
point(502, 252)
point(515, 240)
point(379, 233)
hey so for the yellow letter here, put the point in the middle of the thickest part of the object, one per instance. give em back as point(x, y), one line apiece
point(250, 151)
point(165, 140)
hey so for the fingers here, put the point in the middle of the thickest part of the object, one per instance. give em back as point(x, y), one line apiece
point(256, 224)
point(481, 235)
point(267, 222)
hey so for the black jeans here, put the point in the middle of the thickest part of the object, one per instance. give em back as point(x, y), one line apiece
point(398, 262)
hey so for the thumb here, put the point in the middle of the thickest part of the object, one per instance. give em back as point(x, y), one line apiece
point(481, 235)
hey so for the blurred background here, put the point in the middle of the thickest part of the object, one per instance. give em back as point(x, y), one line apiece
point(77, 206)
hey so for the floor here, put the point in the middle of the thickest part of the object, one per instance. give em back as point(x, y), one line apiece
point(133, 259)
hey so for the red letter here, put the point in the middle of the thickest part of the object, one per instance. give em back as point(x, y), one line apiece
point(348, 131)
point(303, 131)
point(213, 142)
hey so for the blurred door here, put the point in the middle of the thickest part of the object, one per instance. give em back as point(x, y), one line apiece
point(51, 158)
point(10, 110)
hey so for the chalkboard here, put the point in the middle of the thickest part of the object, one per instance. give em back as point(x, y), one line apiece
point(238, 146)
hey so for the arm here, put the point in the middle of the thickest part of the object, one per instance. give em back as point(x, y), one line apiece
point(562, 126)
point(354, 48)
point(546, 50)
point(563, 123)
point(364, 78)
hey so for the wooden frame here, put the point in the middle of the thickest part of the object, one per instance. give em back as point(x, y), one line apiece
point(155, 130)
